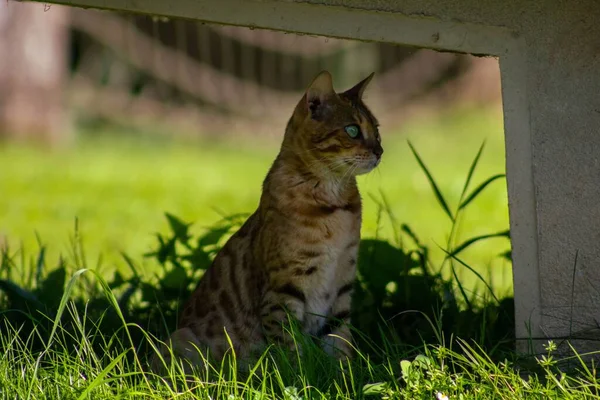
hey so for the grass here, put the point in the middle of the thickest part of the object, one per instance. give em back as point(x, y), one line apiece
point(429, 326)
point(86, 363)
point(117, 189)
point(85, 350)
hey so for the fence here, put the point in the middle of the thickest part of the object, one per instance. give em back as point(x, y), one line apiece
point(136, 69)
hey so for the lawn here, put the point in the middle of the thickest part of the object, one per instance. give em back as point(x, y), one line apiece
point(434, 373)
point(440, 338)
point(118, 189)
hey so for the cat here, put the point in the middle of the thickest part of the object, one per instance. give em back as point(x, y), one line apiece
point(297, 254)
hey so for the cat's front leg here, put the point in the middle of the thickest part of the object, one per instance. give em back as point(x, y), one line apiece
point(336, 335)
point(281, 309)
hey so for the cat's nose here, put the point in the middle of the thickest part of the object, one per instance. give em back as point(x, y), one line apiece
point(378, 151)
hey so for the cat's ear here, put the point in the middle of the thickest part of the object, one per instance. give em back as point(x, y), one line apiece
point(357, 91)
point(318, 92)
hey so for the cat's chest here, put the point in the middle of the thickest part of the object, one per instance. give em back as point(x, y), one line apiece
point(337, 266)
point(333, 242)
point(322, 293)
point(340, 228)
point(338, 235)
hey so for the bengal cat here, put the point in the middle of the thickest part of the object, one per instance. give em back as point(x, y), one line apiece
point(297, 253)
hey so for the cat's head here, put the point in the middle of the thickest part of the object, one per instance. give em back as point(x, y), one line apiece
point(335, 133)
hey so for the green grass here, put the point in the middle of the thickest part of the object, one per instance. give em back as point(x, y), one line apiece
point(86, 350)
point(118, 189)
point(84, 363)
point(92, 340)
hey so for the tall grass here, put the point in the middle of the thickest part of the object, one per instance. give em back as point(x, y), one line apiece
point(459, 370)
point(419, 333)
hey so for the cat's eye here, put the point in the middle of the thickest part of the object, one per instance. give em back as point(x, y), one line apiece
point(353, 131)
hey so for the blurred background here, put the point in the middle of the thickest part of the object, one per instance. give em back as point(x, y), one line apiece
point(108, 120)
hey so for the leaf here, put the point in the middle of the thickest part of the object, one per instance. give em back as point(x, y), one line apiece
point(128, 293)
point(291, 393)
point(478, 189)
point(130, 264)
point(436, 190)
point(117, 280)
point(179, 228)
point(380, 263)
point(471, 171)
point(371, 389)
point(213, 236)
point(406, 229)
point(154, 254)
point(151, 294)
point(100, 378)
point(422, 360)
point(405, 367)
point(166, 251)
point(199, 259)
point(476, 239)
point(174, 279)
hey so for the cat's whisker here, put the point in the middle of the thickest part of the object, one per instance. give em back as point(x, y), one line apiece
point(355, 164)
point(355, 168)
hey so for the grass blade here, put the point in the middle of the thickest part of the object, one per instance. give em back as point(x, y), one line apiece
point(471, 171)
point(39, 264)
point(100, 378)
point(476, 239)
point(476, 274)
point(63, 303)
point(436, 190)
point(478, 189)
point(130, 264)
point(461, 288)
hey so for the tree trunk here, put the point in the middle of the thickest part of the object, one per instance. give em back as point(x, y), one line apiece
point(33, 71)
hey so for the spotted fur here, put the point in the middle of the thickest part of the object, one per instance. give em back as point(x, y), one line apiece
point(297, 253)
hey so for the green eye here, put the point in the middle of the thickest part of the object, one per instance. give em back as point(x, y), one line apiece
point(352, 130)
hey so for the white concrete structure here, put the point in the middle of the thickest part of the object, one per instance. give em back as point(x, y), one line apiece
point(549, 53)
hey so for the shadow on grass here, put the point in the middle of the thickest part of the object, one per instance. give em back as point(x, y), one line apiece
point(401, 303)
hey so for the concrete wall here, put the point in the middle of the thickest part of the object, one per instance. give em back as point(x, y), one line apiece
point(550, 63)
point(561, 57)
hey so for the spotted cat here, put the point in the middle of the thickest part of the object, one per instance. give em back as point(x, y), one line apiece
point(297, 253)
